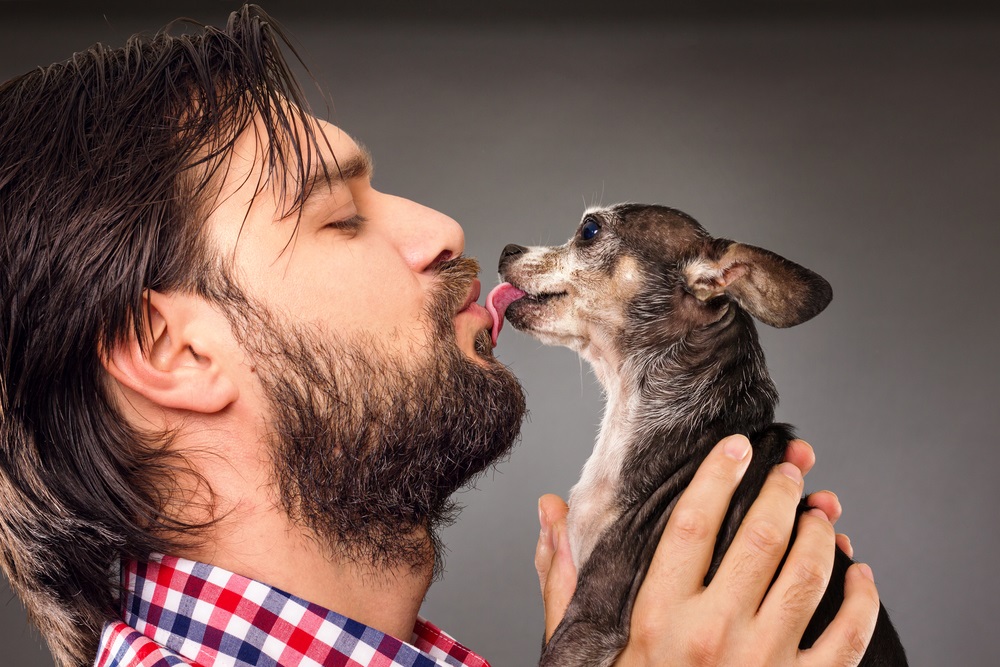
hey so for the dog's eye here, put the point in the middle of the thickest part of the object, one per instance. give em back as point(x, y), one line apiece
point(589, 229)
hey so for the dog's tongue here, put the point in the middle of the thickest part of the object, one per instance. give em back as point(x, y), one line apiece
point(497, 301)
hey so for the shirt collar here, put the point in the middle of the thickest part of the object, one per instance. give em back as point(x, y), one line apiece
point(207, 614)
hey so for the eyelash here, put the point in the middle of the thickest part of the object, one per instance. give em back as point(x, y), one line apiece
point(352, 224)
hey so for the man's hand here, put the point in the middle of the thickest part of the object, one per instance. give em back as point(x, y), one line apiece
point(736, 619)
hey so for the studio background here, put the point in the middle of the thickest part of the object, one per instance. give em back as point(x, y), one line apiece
point(861, 143)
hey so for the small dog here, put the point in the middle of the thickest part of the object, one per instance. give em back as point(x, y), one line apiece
point(663, 312)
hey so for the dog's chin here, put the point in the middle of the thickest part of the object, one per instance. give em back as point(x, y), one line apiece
point(541, 317)
point(532, 313)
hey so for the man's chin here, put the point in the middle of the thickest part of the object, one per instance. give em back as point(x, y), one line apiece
point(476, 346)
point(483, 347)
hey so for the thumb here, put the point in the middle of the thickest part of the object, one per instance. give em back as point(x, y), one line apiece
point(553, 561)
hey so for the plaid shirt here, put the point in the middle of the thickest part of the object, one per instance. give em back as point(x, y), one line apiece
point(179, 612)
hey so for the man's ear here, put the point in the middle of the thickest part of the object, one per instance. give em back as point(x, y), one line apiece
point(773, 289)
point(175, 366)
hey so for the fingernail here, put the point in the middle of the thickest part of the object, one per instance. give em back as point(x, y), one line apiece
point(867, 571)
point(815, 511)
point(543, 521)
point(553, 536)
point(791, 471)
point(847, 543)
point(737, 447)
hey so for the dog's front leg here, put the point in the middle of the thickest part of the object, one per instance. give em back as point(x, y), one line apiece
point(596, 626)
point(593, 631)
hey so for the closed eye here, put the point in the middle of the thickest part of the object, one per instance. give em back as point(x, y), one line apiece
point(351, 225)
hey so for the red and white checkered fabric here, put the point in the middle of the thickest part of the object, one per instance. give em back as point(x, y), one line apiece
point(180, 612)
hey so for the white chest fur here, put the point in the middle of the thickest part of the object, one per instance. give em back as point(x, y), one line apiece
point(592, 500)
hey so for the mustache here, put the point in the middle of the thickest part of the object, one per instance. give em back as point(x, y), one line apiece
point(455, 278)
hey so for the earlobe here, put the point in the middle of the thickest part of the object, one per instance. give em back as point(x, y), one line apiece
point(167, 368)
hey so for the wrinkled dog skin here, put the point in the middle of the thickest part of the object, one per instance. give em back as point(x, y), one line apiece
point(664, 314)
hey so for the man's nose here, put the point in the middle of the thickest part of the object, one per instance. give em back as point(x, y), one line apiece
point(425, 237)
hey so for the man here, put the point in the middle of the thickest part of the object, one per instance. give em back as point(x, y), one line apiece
point(240, 387)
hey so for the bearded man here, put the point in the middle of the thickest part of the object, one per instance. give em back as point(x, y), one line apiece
point(240, 387)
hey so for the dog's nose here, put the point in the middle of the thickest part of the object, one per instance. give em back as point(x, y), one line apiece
point(511, 250)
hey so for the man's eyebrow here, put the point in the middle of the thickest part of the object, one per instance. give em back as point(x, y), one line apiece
point(331, 173)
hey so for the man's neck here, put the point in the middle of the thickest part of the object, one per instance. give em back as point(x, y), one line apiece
point(265, 546)
point(250, 532)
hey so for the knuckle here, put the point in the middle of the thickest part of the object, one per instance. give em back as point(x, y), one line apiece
point(765, 537)
point(852, 650)
point(803, 595)
point(705, 647)
point(810, 574)
point(817, 534)
point(796, 600)
point(690, 525)
point(644, 630)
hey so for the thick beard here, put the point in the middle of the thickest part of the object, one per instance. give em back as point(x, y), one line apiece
point(367, 448)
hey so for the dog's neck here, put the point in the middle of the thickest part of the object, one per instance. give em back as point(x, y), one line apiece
point(665, 410)
point(715, 375)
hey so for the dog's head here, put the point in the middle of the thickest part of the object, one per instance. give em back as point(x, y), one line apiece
point(649, 275)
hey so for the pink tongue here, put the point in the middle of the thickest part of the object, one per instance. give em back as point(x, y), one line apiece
point(497, 301)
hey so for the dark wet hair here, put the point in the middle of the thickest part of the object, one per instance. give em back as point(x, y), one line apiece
point(107, 166)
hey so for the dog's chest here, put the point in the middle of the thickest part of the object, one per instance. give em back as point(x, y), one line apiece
point(593, 505)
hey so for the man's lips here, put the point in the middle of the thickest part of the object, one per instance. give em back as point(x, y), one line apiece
point(497, 301)
point(474, 291)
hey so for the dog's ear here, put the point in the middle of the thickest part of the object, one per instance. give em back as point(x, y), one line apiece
point(773, 289)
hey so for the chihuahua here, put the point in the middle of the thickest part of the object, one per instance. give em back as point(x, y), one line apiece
point(664, 314)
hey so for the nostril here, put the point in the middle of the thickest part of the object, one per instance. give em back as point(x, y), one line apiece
point(512, 250)
point(442, 257)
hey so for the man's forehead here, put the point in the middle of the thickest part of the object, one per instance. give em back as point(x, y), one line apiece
point(342, 145)
point(253, 192)
point(332, 143)
point(324, 154)
point(342, 157)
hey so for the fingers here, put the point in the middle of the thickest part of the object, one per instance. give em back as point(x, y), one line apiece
point(552, 510)
point(749, 565)
point(828, 502)
point(800, 454)
point(685, 550)
point(844, 544)
point(553, 561)
point(844, 641)
point(803, 579)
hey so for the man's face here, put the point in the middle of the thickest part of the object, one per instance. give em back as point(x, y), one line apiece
point(359, 261)
point(372, 366)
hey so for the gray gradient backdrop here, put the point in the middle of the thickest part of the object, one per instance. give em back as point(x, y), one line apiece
point(866, 148)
